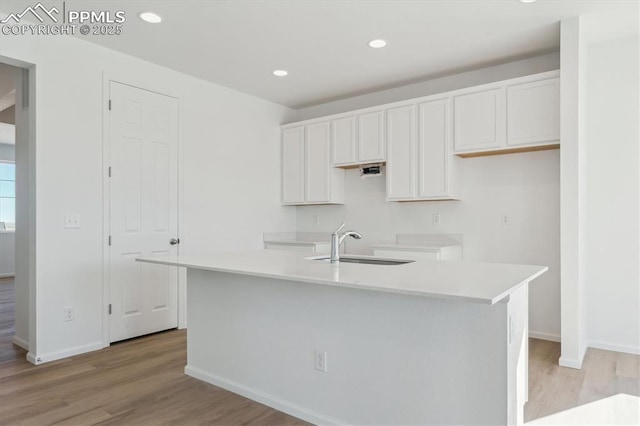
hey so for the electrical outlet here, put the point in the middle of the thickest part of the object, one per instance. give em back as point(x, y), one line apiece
point(505, 219)
point(316, 219)
point(72, 221)
point(69, 313)
point(435, 218)
point(321, 360)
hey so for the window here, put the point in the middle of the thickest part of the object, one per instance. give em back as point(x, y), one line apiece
point(8, 194)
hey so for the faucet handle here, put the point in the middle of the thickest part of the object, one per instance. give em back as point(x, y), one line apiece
point(339, 228)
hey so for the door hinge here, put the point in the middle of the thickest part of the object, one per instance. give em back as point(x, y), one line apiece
point(109, 104)
point(109, 308)
point(109, 171)
point(109, 239)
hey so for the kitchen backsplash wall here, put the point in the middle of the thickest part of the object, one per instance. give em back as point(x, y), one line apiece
point(523, 187)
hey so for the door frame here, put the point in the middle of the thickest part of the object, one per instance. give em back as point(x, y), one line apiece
point(107, 78)
point(28, 274)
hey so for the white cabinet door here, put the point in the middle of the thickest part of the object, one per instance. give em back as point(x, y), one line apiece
point(318, 163)
point(401, 163)
point(479, 120)
point(293, 165)
point(433, 148)
point(371, 137)
point(344, 141)
point(533, 112)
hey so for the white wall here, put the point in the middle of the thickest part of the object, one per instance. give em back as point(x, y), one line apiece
point(613, 234)
point(230, 168)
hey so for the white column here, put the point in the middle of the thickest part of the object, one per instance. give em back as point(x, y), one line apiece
point(573, 108)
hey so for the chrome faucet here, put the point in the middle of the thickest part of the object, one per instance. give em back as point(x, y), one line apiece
point(337, 239)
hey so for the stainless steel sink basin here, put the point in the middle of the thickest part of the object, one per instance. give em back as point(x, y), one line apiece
point(365, 260)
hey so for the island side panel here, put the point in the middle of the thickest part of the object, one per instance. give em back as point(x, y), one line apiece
point(392, 358)
point(518, 344)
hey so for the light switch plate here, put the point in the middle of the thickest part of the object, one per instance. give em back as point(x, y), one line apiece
point(72, 221)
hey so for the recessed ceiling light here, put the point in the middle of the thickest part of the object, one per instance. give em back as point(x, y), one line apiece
point(527, 1)
point(280, 73)
point(377, 44)
point(150, 17)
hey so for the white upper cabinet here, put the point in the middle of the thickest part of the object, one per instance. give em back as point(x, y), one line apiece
point(371, 146)
point(307, 174)
point(401, 161)
point(358, 139)
point(435, 160)
point(533, 112)
point(517, 115)
point(479, 120)
point(419, 157)
point(420, 139)
point(344, 141)
point(293, 165)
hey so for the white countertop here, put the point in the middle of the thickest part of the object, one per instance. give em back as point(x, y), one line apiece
point(466, 281)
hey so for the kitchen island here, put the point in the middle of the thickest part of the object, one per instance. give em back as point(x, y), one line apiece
point(427, 342)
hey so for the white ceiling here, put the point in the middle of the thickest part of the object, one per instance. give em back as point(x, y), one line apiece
point(323, 44)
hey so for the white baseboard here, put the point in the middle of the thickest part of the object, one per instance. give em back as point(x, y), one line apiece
point(571, 363)
point(634, 350)
point(31, 358)
point(263, 398)
point(38, 359)
point(21, 342)
point(544, 336)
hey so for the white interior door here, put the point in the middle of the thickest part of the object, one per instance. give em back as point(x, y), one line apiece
point(143, 210)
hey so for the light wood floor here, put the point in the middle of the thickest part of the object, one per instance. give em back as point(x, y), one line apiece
point(8, 351)
point(553, 388)
point(141, 381)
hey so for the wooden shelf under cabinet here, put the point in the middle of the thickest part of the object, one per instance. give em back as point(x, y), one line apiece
point(508, 151)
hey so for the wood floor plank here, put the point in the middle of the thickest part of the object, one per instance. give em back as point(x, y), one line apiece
point(92, 417)
point(628, 365)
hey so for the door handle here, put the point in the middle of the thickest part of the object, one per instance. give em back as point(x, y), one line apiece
point(174, 241)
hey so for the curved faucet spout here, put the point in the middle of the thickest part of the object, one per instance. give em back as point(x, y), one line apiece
point(353, 234)
point(337, 239)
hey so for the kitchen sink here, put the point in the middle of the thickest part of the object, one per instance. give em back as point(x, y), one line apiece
point(364, 260)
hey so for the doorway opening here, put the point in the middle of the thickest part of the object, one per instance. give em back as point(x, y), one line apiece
point(17, 205)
